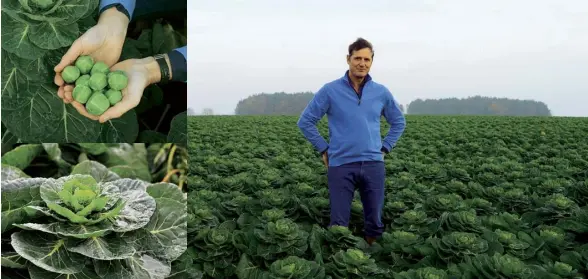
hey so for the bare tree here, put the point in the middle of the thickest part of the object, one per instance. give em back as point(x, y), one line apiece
point(207, 111)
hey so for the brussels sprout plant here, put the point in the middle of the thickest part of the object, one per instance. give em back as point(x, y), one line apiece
point(88, 220)
point(503, 201)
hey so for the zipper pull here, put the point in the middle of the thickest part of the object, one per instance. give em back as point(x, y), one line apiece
point(359, 102)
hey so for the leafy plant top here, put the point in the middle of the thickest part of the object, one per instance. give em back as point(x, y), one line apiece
point(91, 224)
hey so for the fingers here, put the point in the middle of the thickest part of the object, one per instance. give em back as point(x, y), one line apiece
point(69, 57)
point(118, 110)
point(61, 92)
point(82, 110)
point(65, 93)
point(58, 79)
point(131, 95)
point(68, 93)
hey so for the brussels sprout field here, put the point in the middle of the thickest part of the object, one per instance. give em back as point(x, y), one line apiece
point(36, 34)
point(467, 197)
point(93, 210)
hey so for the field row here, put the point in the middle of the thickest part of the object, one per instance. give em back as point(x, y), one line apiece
point(467, 197)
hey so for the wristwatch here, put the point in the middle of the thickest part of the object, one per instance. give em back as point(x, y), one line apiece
point(163, 67)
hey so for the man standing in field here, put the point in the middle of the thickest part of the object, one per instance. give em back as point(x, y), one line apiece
point(354, 156)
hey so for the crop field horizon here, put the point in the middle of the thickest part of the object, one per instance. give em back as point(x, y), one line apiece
point(466, 197)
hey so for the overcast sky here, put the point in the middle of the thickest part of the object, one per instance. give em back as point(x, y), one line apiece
point(526, 49)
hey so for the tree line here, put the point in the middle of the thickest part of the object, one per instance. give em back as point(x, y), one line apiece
point(282, 103)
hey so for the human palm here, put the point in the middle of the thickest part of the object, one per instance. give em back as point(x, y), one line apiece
point(138, 80)
point(103, 42)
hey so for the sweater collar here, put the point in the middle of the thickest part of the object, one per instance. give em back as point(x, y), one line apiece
point(348, 80)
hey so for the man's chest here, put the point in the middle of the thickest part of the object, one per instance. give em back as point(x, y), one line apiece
point(369, 104)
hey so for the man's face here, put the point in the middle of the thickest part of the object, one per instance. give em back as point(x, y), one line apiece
point(360, 62)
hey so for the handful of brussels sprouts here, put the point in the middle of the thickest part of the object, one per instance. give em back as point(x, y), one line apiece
point(95, 85)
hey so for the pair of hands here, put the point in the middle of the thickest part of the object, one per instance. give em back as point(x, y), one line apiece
point(326, 158)
point(104, 42)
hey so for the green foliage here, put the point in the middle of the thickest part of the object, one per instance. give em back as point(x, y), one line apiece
point(466, 197)
point(100, 213)
point(274, 104)
point(35, 35)
point(281, 103)
point(478, 105)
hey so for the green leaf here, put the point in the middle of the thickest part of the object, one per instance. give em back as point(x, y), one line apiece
point(39, 115)
point(98, 171)
point(50, 189)
point(130, 50)
point(128, 155)
point(152, 97)
point(39, 273)
point(165, 235)
point(73, 10)
point(8, 140)
point(94, 148)
point(70, 230)
point(124, 171)
point(138, 208)
point(122, 129)
point(16, 196)
point(17, 40)
point(47, 251)
point(148, 136)
point(178, 130)
point(47, 212)
point(184, 267)
point(165, 190)
point(22, 156)
point(54, 153)
point(112, 192)
point(13, 260)
point(165, 38)
point(62, 12)
point(17, 73)
point(11, 173)
point(136, 267)
point(144, 42)
point(110, 247)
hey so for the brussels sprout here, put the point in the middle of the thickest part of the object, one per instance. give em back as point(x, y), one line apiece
point(70, 74)
point(99, 67)
point(97, 104)
point(114, 96)
point(117, 80)
point(85, 63)
point(98, 81)
point(83, 80)
point(82, 93)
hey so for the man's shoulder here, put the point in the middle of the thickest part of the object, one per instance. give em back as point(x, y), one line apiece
point(378, 85)
point(335, 82)
point(381, 88)
point(333, 85)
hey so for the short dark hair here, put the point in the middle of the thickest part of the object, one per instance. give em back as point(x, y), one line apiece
point(360, 43)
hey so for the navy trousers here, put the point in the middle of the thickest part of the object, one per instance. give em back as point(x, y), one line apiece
point(369, 179)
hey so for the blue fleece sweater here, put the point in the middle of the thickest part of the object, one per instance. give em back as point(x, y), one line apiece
point(177, 57)
point(354, 121)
